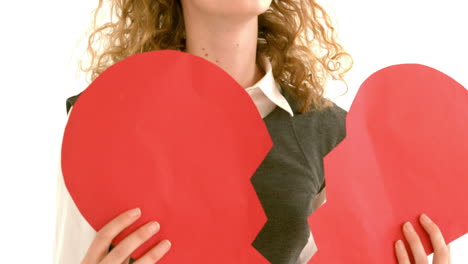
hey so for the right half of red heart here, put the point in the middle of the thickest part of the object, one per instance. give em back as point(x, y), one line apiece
point(405, 153)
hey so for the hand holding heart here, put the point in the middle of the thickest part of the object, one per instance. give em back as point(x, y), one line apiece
point(441, 249)
point(97, 252)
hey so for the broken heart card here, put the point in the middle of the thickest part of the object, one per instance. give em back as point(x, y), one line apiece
point(176, 136)
point(405, 153)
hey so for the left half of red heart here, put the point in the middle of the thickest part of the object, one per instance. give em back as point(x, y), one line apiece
point(175, 135)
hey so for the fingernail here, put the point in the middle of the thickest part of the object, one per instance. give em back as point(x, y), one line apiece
point(167, 244)
point(134, 212)
point(399, 244)
point(409, 227)
point(153, 227)
point(425, 219)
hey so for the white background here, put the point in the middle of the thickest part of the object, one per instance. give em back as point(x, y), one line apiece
point(41, 42)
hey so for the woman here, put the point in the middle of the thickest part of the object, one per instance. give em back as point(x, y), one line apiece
point(263, 46)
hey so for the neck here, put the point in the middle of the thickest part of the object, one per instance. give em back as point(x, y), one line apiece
point(231, 45)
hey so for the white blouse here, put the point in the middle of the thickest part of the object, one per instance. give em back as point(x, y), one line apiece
point(74, 234)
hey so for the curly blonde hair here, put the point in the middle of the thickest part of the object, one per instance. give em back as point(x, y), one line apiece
point(297, 36)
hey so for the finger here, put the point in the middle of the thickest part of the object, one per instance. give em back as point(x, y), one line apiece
point(441, 252)
point(419, 254)
point(123, 250)
point(450, 254)
point(401, 253)
point(155, 254)
point(100, 245)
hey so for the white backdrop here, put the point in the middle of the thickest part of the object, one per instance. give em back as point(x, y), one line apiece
point(42, 40)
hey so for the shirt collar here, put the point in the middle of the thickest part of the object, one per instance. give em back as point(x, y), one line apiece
point(271, 88)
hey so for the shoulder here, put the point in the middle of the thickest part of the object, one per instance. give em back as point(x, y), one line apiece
point(332, 127)
point(332, 116)
point(71, 101)
point(322, 128)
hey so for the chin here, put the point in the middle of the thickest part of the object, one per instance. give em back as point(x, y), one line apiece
point(237, 8)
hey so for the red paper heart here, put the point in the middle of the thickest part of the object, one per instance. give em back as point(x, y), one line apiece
point(175, 135)
point(405, 153)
